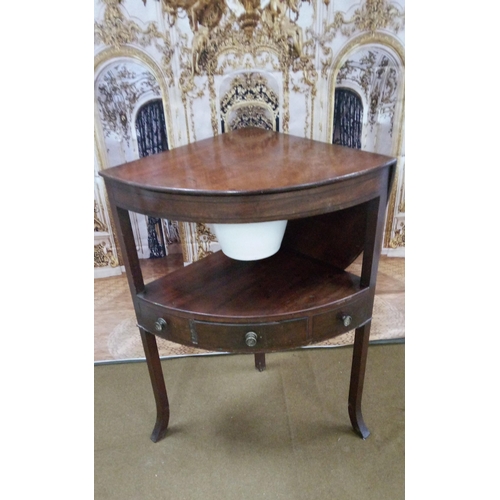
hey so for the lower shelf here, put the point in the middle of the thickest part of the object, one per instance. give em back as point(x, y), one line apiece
point(286, 301)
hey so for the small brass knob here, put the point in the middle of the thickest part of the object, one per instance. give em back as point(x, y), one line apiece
point(346, 319)
point(250, 339)
point(160, 324)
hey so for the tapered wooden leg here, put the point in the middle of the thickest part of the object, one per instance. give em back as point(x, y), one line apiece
point(260, 361)
point(158, 383)
point(360, 351)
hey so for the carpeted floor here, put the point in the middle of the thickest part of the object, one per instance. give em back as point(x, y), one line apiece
point(239, 434)
point(116, 336)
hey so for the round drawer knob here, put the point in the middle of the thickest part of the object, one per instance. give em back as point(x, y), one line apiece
point(346, 319)
point(160, 324)
point(250, 339)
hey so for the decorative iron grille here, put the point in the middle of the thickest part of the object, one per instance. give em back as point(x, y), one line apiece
point(150, 128)
point(348, 119)
point(156, 243)
point(152, 139)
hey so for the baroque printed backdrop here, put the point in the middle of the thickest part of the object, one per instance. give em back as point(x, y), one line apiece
point(169, 72)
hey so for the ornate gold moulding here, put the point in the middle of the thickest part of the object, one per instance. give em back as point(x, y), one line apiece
point(208, 13)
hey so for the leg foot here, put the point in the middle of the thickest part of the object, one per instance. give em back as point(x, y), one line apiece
point(358, 424)
point(260, 361)
point(158, 384)
point(360, 351)
point(160, 429)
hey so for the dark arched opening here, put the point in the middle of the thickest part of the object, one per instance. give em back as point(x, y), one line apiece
point(348, 119)
point(152, 139)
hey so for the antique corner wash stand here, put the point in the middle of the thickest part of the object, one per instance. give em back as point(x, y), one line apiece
point(334, 199)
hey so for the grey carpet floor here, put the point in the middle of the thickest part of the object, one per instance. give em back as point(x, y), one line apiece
point(239, 434)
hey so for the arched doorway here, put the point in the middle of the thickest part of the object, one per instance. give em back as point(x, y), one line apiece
point(374, 70)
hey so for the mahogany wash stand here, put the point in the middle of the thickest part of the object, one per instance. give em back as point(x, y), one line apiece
point(334, 199)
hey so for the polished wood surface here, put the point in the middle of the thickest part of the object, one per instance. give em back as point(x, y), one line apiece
point(335, 238)
point(283, 286)
point(249, 175)
point(246, 161)
point(289, 301)
point(334, 199)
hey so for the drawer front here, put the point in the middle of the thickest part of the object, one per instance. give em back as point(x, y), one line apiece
point(154, 319)
point(342, 319)
point(250, 337)
point(225, 337)
point(256, 337)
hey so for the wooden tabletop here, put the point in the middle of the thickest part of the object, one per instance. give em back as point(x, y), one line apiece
point(246, 161)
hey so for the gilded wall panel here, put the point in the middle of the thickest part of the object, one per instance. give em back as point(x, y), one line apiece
point(374, 67)
point(197, 51)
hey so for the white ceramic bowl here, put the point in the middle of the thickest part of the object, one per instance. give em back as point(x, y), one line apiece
point(250, 241)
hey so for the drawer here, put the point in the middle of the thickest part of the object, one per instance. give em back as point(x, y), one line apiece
point(250, 337)
point(155, 319)
point(342, 319)
point(254, 336)
point(225, 337)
